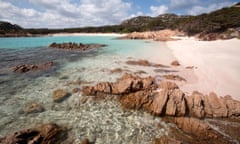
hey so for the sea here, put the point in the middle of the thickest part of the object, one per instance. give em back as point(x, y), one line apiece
point(100, 121)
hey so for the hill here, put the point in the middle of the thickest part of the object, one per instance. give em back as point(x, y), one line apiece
point(226, 20)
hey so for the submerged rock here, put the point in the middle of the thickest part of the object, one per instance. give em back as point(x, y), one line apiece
point(44, 134)
point(31, 67)
point(33, 107)
point(59, 95)
point(75, 46)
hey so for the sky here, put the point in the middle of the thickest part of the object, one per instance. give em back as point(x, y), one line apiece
point(81, 13)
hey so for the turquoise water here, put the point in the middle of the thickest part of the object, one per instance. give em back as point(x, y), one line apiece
point(29, 42)
point(103, 121)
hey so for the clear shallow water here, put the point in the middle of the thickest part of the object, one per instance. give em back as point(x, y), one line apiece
point(102, 121)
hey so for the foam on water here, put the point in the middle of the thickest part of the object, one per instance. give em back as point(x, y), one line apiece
point(102, 121)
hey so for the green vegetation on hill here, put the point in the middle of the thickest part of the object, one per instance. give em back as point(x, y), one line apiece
point(214, 22)
point(6, 27)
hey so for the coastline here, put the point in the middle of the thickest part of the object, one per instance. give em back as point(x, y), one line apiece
point(88, 34)
point(216, 63)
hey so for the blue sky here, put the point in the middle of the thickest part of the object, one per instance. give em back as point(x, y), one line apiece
point(79, 13)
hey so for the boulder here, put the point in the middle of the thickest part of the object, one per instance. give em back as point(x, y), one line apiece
point(175, 63)
point(59, 95)
point(196, 104)
point(44, 134)
point(31, 67)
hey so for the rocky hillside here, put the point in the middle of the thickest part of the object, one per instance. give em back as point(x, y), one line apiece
point(6, 27)
point(225, 21)
point(214, 22)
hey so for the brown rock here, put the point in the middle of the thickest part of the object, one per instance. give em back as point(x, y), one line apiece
point(196, 104)
point(165, 98)
point(165, 140)
point(76, 90)
point(159, 103)
point(175, 63)
point(85, 141)
point(44, 134)
point(75, 46)
point(116, 70)
point(174, 77)
point(176, 105)
point(144, 63)
point(59, 95)
point(168, 85)
point(33, 108)
point(199, 130)
point(25, 68)
point(232, 105)
point(31, 67)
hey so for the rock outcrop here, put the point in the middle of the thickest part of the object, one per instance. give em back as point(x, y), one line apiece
point(32, 67)
point(162, 35)
point(164, 98)
point(75, 46)
point(44, 134)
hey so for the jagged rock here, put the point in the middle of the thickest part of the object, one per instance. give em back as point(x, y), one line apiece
point(75, 46)
point(44, 134)
point(31, 67)
point(124, 85)
point(175, 63)
point(212, 106)
point(176, 104)
point(196, 105)
point(59, 95)
point(33, 108)
point(164, 98)
point(195, 127)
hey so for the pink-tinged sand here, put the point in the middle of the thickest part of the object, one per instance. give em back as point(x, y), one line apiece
point(217, 62)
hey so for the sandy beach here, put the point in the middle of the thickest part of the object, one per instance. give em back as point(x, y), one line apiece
point(217, 65)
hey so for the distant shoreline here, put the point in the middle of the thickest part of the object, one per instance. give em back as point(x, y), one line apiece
point(87, 34)
point(60, 34)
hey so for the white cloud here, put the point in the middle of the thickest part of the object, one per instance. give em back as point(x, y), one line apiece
point(155, 11)
point(64, 13)
point(195, 10)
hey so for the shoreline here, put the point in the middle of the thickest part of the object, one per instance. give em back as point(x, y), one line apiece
point(88, 34)
point(216, 65)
